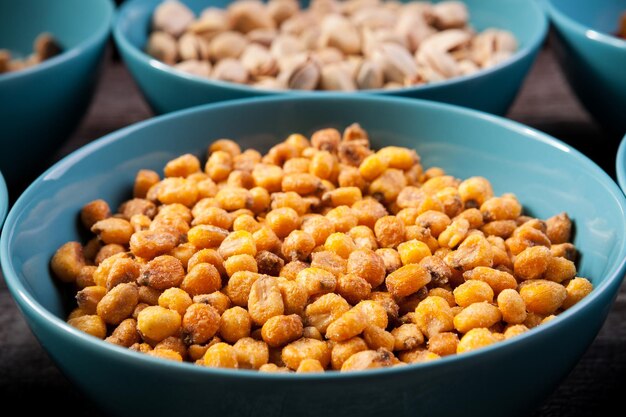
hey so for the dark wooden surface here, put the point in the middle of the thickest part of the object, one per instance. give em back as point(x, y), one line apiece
point(30, 381)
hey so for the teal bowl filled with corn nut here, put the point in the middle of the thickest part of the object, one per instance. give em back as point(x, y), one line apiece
point(593, 55)
point(517, 373)
point(49, 66)
point(439, 76)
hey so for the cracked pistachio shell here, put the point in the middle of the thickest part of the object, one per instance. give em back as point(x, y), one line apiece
point(195, 67)
point(192, 46)
point(370, 76)
point(449, 14)
point(303, 75)
point(259, 61)
point(227, 45)
point(263, 37)
point(286, 45)
point(397, 63)
point(248, 15)
point(230, 69)
point(172, 17)
point(162, 46)
point(281, 10)
point(490, 42)
point(211, 22)
point(437, 60)
point(337, 77)
point(339, 32)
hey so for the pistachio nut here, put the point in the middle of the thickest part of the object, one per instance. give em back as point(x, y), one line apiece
point(195, 67)
point(259, 61)
point(162, 46)
point(248, 15)
point(227, 45)
point(337, 77)
point(230, 69)
point(172, 17)
point(370, 76)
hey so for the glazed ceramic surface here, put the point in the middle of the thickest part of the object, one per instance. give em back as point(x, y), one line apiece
point(41, 105)
point(492, 90)
point(4, 200)
point(593, 60)
point(620, 165)
point(545, 174)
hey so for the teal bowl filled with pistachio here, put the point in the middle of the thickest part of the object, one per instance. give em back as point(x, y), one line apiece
point(42, 101)
point(592, 56)
point(491, 88)
point(516, 374)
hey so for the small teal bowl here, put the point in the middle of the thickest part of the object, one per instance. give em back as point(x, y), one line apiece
point(4, 200)
point(41, 105)
point(492, 90)
point(516, 375)
point(620, 166)
point(593, 60)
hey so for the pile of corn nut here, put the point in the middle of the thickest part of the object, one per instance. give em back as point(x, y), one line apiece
point(44, 47)
point(332, 45)
point(320, 255)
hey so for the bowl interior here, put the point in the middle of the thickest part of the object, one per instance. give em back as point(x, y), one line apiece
point(599, 15)
point(514, 15)
point(70, 21)
point(547, 176)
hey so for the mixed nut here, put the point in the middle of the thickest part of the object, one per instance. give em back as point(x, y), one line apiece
point(44, 47)
point(333, 45)
point(319, 255)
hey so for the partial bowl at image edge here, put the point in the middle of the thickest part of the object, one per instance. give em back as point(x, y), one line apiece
point(43, 104)
point(592, 59)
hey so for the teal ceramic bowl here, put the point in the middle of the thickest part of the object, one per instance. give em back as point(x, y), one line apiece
point(492, 90)
point(593, 60)
point(620, 166)
point(4, 200)
point(547, 175)
point(40, 106)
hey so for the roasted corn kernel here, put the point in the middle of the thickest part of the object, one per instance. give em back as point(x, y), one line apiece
point(294, 353)
point(157, 323)
point(577, 289)
point(318, 255)
point(221, 355)
point(175, 299)
point(235, 324)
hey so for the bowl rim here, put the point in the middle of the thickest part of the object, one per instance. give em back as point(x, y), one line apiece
point(559, 18)
point(101, 32)
point(126, 46)
point(620, 164)
point(28, 303)
point(4, 200)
